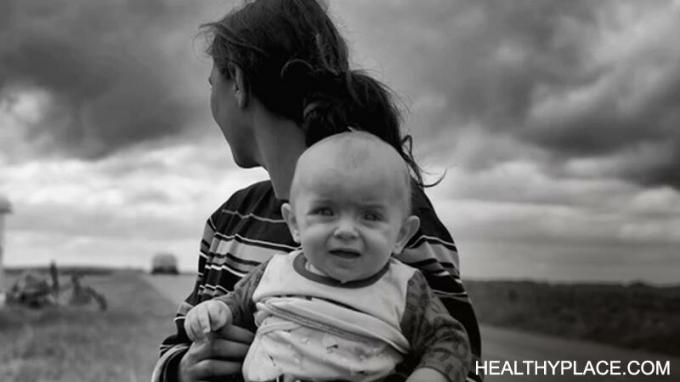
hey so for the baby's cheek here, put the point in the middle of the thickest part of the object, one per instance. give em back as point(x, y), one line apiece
point(383, 239)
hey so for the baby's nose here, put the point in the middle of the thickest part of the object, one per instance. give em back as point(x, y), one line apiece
point(345, 229)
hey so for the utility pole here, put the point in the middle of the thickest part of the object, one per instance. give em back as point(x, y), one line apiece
point(5, 208)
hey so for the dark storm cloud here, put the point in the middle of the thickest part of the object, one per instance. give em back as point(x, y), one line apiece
point(580, 79)
point(113, 69)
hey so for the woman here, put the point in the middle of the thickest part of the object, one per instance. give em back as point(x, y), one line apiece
point(280, 82)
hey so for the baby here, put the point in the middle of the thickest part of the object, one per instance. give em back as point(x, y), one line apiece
point(342, 308)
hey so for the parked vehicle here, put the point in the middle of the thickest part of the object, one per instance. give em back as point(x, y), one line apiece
point(164, 263)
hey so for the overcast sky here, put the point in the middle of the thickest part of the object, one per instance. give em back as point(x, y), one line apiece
point(556, 123)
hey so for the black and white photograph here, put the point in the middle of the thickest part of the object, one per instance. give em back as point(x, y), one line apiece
point(339, 190)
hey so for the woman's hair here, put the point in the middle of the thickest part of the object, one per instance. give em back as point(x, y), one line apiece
point(295, 62)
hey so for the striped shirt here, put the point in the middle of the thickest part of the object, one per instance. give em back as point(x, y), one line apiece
point(248, 229)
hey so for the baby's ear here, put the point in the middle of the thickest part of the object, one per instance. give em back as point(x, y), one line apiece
point(289, 217)
point(408, 229)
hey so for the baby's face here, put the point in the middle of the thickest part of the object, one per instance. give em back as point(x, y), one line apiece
point(349, 222)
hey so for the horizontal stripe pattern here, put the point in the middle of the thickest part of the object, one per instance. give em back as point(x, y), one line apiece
point(253, 216)
point(430, 257)
point(220, 241)
point(418, 240)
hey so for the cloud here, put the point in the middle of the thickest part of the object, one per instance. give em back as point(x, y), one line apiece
point(513, 209)
point(557, 262)
point(110, 74)
point(577, 79)
point(154, 193)
point(512, 220)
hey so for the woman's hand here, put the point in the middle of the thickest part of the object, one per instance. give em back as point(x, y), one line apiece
point(217, 354)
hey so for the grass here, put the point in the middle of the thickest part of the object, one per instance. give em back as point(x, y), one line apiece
point(84, 344)
point(635, 316)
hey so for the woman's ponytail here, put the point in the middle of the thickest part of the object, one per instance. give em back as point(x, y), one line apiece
point(339, 102)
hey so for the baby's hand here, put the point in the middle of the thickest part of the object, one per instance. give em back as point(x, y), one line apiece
point(205, 317)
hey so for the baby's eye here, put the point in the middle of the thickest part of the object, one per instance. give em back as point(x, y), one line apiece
point(372, 216)
point(322, 211)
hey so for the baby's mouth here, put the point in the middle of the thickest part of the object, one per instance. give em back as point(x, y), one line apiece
point(345, 253)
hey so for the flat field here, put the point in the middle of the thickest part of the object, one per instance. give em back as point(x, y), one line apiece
point(635, 316)
point(72, 344)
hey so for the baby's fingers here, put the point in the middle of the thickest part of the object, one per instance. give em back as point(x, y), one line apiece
point(219, 318)
point(195, 323)
point(203, 322)
point(189, 324)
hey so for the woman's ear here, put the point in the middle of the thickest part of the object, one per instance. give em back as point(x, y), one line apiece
point(289, 217)
point(408, 229)
point(241, 91)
